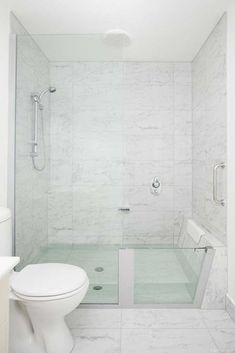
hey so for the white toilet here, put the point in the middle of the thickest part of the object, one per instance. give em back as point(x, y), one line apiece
point(41, 296)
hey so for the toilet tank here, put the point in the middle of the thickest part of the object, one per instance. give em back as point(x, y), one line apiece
point(5, 232)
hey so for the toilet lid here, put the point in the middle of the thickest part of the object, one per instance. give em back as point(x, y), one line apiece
point(50, 279)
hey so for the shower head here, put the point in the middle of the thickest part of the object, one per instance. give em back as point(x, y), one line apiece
point(52, 89)
point(49, 89)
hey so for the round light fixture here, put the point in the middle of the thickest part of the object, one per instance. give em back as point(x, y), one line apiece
point(117, 38)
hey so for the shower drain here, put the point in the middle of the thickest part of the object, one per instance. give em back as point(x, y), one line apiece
point(99, 269)
point(97, 287)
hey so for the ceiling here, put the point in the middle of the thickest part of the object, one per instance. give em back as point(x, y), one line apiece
point(160, 30)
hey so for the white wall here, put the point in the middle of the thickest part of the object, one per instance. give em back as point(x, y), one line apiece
point(112, 131)
point(4, 63)
point(231, 151)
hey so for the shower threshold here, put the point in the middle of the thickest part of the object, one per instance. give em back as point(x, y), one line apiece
point(136, 276)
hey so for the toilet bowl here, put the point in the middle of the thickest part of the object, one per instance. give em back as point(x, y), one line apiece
point(41, 296)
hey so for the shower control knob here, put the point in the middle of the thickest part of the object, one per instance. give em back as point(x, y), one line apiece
point(156, 186)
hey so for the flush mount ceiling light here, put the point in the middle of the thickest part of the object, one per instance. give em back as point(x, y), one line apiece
point(117, 38)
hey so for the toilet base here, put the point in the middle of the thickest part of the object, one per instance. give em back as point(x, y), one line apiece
point(52, 334)
point(38, 326)
point(30, 335)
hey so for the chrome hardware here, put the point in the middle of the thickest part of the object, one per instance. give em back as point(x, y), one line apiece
point(217, 201)
point(205, 248)
point(156, 186)
point(124, 209)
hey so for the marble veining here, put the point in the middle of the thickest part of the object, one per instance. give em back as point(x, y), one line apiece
point(114, 126)
point(152, 330)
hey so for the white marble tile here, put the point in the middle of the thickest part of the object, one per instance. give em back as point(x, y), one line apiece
point(183, 96)
point(60, 173)
point(148, 122)
point(183, 173)
point(143, 172)
point(140, 198)
point(167, 341)
point(98, 120)
point(183, 148)
point(94, 318)
point(217, 319)
point(139, 97)
point(92, 197)
point(224, 339)
point(162, 318)
point(103, 172)
point(102, 225)
point(140, 73)
point(122, 134)
point(182, 73)
point(59, 211)
point(149, 148)
point(99, 340)
point(97, 146)
point(61, 147)
point(183, 122)
point(104, 73)
point(147, 225)
point(182, 198)
point(96, 95)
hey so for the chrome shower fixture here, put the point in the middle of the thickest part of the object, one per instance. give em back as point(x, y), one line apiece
point(37, 97)
point(156, 186)
point(37, 101)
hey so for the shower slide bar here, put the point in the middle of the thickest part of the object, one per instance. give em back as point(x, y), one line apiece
point(217, 201)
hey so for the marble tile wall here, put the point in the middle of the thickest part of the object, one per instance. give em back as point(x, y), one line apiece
point(209, 130)
point(114, 126)
point(31, 187)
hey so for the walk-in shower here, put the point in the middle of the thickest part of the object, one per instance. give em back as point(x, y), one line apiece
point(129, 158)
point(38, 110)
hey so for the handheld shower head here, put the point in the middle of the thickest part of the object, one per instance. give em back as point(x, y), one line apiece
point(42, 93)
point(52, 89)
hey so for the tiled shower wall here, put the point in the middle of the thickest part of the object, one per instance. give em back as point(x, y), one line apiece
point(31, 186)
point(209, 129)
point(115, 126)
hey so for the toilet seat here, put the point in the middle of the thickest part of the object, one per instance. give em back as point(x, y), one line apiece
point(16, 296)
point(49, 281)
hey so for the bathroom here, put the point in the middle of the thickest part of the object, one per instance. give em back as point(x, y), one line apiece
point(117, 168)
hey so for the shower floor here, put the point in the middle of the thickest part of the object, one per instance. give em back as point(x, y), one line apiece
point(159, 276)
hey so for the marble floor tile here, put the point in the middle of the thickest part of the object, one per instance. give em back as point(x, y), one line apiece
point(224, 339)
point(162, 318)
point(217, 319)
point(167, 341)
point(97, 340)
point(94, 318)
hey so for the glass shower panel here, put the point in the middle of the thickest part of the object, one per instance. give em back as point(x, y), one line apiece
point(167, 276)
point(31, 186)
point(74, 205)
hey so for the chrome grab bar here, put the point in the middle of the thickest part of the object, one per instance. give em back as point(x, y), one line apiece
point(217, 201)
